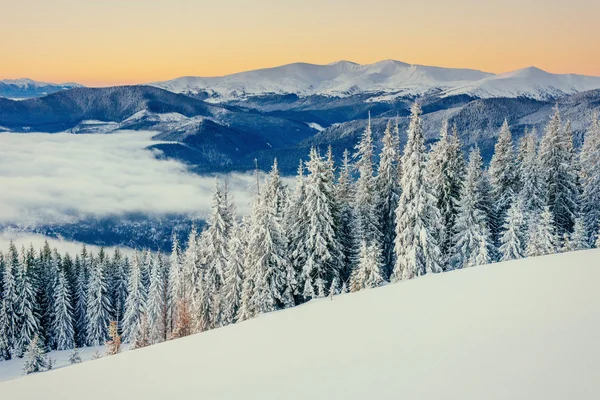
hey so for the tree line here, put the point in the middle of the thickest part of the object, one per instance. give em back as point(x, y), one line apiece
point(343, 227)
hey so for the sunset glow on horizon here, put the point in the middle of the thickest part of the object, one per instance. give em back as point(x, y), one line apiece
point(110, 42)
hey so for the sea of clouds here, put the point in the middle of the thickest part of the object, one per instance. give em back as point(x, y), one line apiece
point(55, 178)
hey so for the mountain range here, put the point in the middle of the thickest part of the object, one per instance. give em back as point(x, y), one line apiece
point(27, 88)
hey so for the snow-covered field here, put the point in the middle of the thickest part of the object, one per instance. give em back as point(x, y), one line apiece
point(526, 329)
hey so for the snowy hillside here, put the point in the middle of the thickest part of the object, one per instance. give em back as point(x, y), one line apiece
point(26, 88)
point(528, 82)
point(339, 78)
point(525, 329)
point(392, 78)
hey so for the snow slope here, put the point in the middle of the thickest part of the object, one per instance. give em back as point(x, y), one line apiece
point(529, 82)
point(519, 330)
point(339, 78)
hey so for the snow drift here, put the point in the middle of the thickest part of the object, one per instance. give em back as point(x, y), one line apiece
point(525, 329)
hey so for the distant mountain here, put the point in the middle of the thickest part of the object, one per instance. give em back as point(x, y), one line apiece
point(380, 82)
point(341, 78)
point(27, 88)
point(529, 82)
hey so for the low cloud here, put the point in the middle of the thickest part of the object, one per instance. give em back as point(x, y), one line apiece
point(54, 178)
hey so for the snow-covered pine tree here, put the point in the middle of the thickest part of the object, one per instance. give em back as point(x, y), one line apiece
point(348, 237)
point(267, 250)
point(135, 305)
point(532, 192)
point(10, 298)
point(445, 173)
point(155, 303)
point(35, 357)
point(559, 175)
point(542, 237)
point(216, 255)
point(118, 287)
point(295, 227)
point(62, 329)
point(368, 271)
point(418, 219)
point(4, 345)
point(589, 161)
point(98, 305)
point(472, 238)
point(234, 276)
point(323, 249)
point(80, 309)
point(75, 356)
point(512, 238)
point(365, 200)
point(502, 178)
point(578, 240)
point(387, 194)
point(175, 285)
point(26, 308)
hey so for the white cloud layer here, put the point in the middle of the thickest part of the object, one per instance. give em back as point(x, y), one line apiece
point(54, 178)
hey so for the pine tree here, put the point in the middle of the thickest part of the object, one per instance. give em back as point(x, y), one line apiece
point(502, 178)
point(445, 172)
point(472, 237)
point(4, 344)
point(81, 266)
point(175, 285)
point(367, 222)
point(234, 276)
point(348, 237)
point(10, 298)
point(559, 175)
point(513, 236)
point(155, 303)
point(216, 253)
point(579, 239)
point(62, 328)
point(118, 287)
point(323, 249)
point(418, 219)
point(542, 236)
point(75, 356)
point(532, 192)
point(368, 272)
point(35, 357)
point(98, 305)
point(589, 162)
point(295, 227)
point(26, 308)
point(387, 194)
point(135, 305)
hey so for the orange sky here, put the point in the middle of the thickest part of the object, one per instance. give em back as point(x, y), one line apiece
point(133, 41)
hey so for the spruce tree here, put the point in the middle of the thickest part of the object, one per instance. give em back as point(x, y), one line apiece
point(26, 309)
point(135, 305)
point(348, 236)
point(387, 187)
point(175, 285)
point(445, 173)
point(234, 276)
point(502, 178)
point(472, 237)
point(365, 198)
point(579, 240)
point(81, 267)
point(62, 329)
point(589, 162)
point(10, 298)
point(35, 357)
point(368, 271)
point(542, 238)
point(98, 305)
point(323, 249)
point(4, 344)
point(513, 236)
point(560, 180)
point(418, 219)
point(155, 303)
point(532, 191)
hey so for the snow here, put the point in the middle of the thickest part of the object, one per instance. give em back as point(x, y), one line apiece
point(523, 329)
point(386, 80)
point(29, 83)
point(529, 82)
point(337, 79)
point(13, 369)
point(316, 126)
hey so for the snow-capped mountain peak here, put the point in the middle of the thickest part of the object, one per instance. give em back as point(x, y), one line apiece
point(23, 88)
